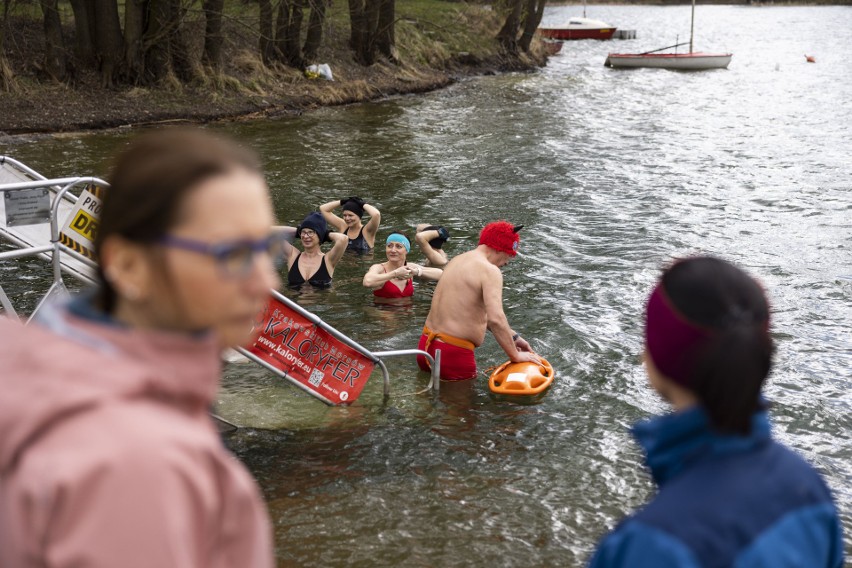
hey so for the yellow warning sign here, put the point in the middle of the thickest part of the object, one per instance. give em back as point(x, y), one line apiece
point(84, 225)
point(81, 225)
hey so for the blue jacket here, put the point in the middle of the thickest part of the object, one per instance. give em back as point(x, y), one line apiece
point(738, 501)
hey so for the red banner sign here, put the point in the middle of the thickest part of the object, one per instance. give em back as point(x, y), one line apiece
point(310, 355)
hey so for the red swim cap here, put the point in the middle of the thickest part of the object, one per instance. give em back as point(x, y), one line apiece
point(501, 236)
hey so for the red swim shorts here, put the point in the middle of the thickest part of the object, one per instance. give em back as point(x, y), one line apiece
point(457, 363)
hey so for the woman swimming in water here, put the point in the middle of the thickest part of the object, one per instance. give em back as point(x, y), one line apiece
point(313, 266)
point(431, 239)
point(393, 279)
point(362, 237)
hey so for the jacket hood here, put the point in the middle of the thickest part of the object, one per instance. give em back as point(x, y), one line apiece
point(66, 365)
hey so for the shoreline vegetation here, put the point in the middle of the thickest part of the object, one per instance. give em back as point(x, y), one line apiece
point(49, 84)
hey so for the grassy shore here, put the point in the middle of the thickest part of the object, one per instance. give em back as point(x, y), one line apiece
point(437, 41)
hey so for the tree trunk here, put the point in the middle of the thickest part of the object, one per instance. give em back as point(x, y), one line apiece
point(179, 54)
point(54, 44)
point(164, 46)
point(213, 37)
point(7, 77)
point(134, 29)
point(266, 43)
point(313, 40)
point(385, 37)
point(371, 16)
point(508, 35)
point(288, 32)
point(84, 24)
point(532, 18)
point(294, 34)
point(156, 40)
point(356, 26)
point(109, 42)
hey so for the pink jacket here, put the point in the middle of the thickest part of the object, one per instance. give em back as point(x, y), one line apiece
point(108, 457)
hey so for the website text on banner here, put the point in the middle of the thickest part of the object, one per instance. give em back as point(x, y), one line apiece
point(310, 356)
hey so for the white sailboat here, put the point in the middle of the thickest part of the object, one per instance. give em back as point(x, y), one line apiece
point(692, 61)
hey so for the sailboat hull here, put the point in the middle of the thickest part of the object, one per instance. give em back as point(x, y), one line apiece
point(566, 34)
point(681, 61)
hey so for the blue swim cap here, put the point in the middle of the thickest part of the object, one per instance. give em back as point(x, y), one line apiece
point(399, 238)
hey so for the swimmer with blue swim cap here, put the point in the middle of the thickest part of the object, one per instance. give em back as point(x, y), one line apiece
point(393, 279)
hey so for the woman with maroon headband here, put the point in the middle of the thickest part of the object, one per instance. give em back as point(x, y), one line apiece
point(729, 495)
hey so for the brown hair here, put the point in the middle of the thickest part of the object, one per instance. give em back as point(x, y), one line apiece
point(151, 180)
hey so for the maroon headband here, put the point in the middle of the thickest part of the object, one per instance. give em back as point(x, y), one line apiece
point(673, 342)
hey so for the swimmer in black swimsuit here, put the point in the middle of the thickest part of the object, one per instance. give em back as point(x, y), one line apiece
point(312, 265)
point(362, 237)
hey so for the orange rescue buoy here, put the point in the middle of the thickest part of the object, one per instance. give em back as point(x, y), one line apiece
point(521, 378)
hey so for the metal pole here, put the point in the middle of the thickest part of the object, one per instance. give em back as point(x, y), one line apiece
point(385, 378)
point(691, 25)
point(436, 372)
point(8, 255)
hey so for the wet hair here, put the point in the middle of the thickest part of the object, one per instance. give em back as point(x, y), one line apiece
point(735, 361)
point(151, 180)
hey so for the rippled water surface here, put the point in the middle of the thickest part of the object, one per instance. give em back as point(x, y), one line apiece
point(613, 173)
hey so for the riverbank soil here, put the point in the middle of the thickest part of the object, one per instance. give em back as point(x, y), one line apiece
point(437, 42)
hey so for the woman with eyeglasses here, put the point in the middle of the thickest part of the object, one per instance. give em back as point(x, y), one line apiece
point(313, 266)
point(361, 237)
point(107, 451)
point(393, 279)
point(728, 494)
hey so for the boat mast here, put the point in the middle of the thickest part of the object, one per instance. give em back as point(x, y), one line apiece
point(691, 25)
point(584, 8)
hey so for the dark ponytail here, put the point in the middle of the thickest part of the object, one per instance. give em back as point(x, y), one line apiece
point(736, 360)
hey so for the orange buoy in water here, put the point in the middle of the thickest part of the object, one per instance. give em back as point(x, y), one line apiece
point(810, 58)
point(521, 378)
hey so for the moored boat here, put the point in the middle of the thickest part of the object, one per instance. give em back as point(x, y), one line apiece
point(579, 28)
point(683, 61)
point(691, 61)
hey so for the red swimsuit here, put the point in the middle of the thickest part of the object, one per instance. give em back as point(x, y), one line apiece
point(391, 290)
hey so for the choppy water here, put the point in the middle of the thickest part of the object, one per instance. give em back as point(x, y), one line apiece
point(613, 173)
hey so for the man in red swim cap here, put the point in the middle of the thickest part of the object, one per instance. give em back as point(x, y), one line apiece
point(468, 300)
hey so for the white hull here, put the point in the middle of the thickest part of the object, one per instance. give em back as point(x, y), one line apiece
point(681, 61)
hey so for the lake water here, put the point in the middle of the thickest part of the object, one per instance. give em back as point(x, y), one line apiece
point(613, 173)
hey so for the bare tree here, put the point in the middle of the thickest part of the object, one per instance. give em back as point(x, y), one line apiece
point(163, 45)
point(385, 37)
point(266, 42)
point(532, 18)
point(313, 39)
point(134, 30)
point(55, 64)
point(7, 77)
point(372, 29)
point(213, 37)
point(288, 31)
point(84, 23)
point(522, 16)
point(108, 39)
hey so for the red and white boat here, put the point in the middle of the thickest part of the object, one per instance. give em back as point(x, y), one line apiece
point(579, 28)
point(692, 61)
